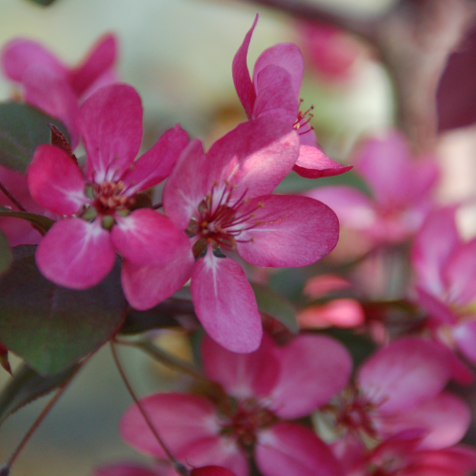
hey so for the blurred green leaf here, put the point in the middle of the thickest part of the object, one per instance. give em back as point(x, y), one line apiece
point(52, 327)
point(43, 3)
point(22, 129)
point(26, 386)
point(40, 221)
point(276, 306)
point(5, 253)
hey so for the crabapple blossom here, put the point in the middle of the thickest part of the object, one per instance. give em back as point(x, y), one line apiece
point(274, 91)
point(264, 389)
point(54, 87)
point(401, 188)
point(78, 251)
point(223, 200)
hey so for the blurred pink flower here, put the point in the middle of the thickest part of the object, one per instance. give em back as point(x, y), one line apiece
point(274, 91)
point(78, 252)
point(54, 87)
point(401, 186)
point(264, 389)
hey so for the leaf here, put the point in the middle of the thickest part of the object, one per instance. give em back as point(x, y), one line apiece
point(43, 3)
point(26, 386)
point(49, 326)
point(5, 253)
point(40, 221)
point(275, 306)
point(22, 129)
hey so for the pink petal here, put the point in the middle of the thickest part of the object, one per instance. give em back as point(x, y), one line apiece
point(433, 245)
point(55, 181)
point(146, 237)
point(286, 55)
point(123, 469)
point(345, 313)
point(225, 304)
point(181, 420)
point(101, 58)
point(465, 338)
point(255, 156)
point(75, 254)
point(289, 231)
point(20, 54)
point(320, 285)
point(406, 373)
point(313, 163)
point(437, 309)
point(146, 286)
point(241, 74)
point(51, 93)
point(241, 375)
point(110, 123)
point(157, 163)
point(313, 370)
point(445, 420)
point(288, 449)
point(211, 471)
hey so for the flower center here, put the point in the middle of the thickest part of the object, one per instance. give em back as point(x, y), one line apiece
point(302, 120)
point(109, 198)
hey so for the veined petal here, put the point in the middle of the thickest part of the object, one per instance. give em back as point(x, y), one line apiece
point(20, 53)
point(286, 55)
point(110, 123)
point(242, 375)
point(404, 374)
point(55, 181)
point(102, 57)
point(313, 370)
point(180, 419)
point(288, 449)
point(146, 237)
point(75, 254)
point(288, 231)
point(313, 163)
point(146, 286)
point(50, 92)
point(225, 303)
point(157, 163)
point(241, 75)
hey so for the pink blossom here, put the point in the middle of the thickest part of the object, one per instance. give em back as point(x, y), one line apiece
point(222, 200)
point(78, 252)
point(445, 268)
point(265, 388)
point(401, 191)
point(54, 87)
point(274, 91)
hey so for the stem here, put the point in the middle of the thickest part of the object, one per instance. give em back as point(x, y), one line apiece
point(179, 467)
point(12, 198)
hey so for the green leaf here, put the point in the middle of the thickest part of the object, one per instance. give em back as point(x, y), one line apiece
point(26, 386)
point(22, 129)
point(276, 306)
point(5, 253)
point(52, 327)
point(43, 3)
point(40, 221)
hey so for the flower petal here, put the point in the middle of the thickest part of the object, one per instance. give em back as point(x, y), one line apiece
point(313, 163)
point(55, 181)
point(313, 370)
point(110, 123)
point(75, 254)
point(241, 375)
point(180, 419)
point(225, 303)
point(146, 237)
point(241, 74)
point(289, 231)
point(288, 449)
point(211, 471)
point(465, 337)
point(146, 286)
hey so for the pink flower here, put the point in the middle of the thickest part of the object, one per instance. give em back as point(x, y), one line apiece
point(264, 388)
point(78, 252)
point(222, 200)
point(399, 388)
point(52, 86)
point(445, 268)
point(274, 91)
point(401, 188)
